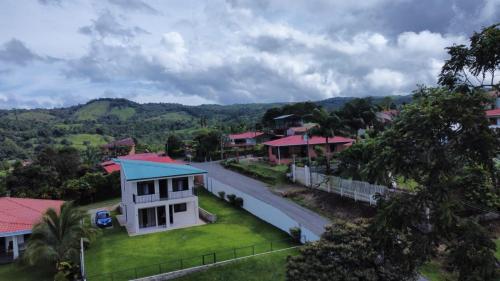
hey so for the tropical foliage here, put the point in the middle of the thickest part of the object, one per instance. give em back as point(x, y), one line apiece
point(56, 239)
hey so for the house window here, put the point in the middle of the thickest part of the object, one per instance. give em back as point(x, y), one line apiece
point(180, 184)
point(180, 208)
point(145, 188)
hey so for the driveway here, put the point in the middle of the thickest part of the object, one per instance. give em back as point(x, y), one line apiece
point(259, 190)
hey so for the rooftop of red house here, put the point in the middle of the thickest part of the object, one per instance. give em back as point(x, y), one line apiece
point(245, 135)
point(110, 166)
point(21, 214)
point(493, 112)
point(122, 142)
point(300, 140)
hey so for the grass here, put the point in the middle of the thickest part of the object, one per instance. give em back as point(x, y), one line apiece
point(123, 113)
point(269, 267)
point(115, 251)
point(261, 171)
point(17, 272)
point(79, 140)
point(92, 111)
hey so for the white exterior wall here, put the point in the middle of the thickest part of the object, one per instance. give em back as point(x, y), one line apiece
point(182, 219)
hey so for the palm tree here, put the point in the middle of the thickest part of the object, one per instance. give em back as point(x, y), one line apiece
point(328, 124)
point(56, 238)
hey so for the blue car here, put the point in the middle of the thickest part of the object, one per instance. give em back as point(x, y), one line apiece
point(103, 219)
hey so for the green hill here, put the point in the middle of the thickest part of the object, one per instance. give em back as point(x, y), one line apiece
point(98, 121)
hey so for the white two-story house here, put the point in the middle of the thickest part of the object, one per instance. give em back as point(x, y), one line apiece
point(157, 196)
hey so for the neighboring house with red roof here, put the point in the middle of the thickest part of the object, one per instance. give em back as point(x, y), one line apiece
point(281, 151)
point(17, 218)
point(111, 166)
point(386, 116)
point(245, 139)
point(128, 143)
point(494, 116)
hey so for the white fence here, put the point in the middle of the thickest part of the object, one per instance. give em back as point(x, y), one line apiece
point(357, 190)
point(261, 209)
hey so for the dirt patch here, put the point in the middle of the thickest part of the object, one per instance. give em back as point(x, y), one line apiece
point(329, 205)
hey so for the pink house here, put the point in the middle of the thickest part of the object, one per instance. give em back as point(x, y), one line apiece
point(282, 151)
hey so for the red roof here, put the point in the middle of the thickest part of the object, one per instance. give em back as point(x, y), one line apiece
point(493, 112)
point(245, 135)
point(20, 214)
point(299, 140)
point(110, 166)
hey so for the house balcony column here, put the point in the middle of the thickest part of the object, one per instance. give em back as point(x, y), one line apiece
point(15, 247)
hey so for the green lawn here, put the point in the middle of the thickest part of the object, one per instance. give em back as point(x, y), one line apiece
point(260, 170)
point(115, 251)
point(269, 267)
point(79, 140)
point(123, 113)
point(92, 111)
point(16, 272)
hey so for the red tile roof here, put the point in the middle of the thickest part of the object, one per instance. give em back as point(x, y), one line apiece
point(245, 135)
point(299, 140)
point(20, 214)
point(110, 166)
point(493, 112)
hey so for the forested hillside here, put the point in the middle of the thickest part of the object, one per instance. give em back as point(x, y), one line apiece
point(100, 121)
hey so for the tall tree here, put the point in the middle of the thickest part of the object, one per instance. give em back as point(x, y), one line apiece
point(474, 66)
point(438, 139)
point(328, 123)
point(56, 238)
point(346, 252)
point(359, 114)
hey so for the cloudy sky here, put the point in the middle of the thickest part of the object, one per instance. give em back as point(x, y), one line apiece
point(62, 52)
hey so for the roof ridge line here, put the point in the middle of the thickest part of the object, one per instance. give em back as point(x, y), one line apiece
point(29, 207)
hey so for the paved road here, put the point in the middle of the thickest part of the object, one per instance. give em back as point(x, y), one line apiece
point(259, 190)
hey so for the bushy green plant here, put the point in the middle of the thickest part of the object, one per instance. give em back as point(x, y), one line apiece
point(222, 195)
point(296, 234)
point(238, 202)
point(231, 198)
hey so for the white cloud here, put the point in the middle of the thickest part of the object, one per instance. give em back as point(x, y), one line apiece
point(386, 78)
point(229, 51)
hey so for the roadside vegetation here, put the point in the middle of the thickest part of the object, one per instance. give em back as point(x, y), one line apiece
point(271, 174)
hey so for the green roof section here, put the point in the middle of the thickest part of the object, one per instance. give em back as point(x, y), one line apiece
point(134, 170)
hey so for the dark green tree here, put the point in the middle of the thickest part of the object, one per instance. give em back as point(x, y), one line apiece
point(173, 146)
point(474, 66)
point(329, 124)
point(437, 141)
point(346, 252)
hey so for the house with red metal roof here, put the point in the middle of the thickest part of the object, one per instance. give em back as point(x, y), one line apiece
point(282, 151)
point(17, 218)
point(249, 138)
point(112, 166)
point(494, 116)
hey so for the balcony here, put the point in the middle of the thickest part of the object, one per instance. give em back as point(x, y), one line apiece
point(138, 199)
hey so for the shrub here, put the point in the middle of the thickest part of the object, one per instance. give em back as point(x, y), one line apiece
point(238, 202)
point(296, 234)
point(231, 198)
point(222, 195)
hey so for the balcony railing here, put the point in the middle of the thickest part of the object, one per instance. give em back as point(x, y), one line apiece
point(181, 194)
point(156, 197)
